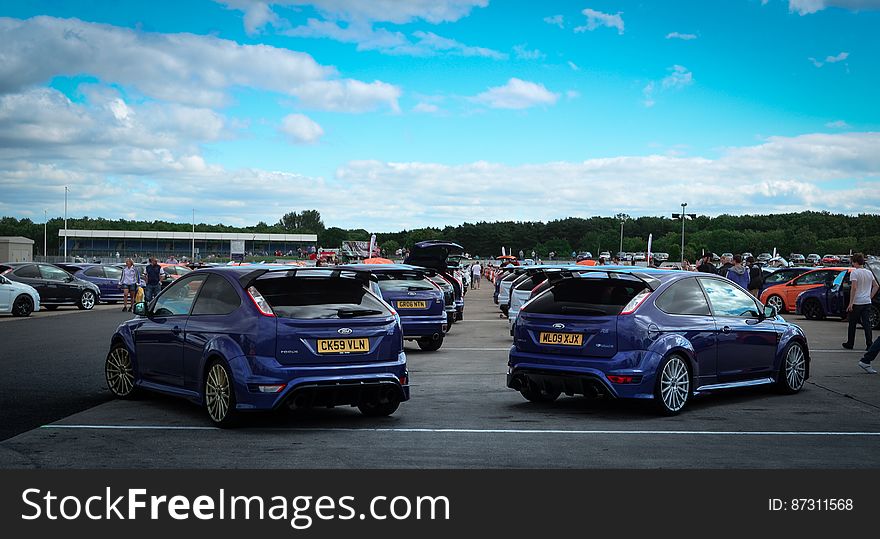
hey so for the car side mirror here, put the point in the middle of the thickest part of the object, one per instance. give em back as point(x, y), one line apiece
point(770, 312)
point(140, 309)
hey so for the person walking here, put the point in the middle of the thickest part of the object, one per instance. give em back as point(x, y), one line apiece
point(706, 265)
point(756, 277)
point(153, 275)
point(476, 273)
point(863, 288)
point(870, 355)
point(128, 281)
point(737, 272)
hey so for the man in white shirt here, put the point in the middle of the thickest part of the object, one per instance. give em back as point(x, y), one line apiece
point(863, 287)
point(476, 273)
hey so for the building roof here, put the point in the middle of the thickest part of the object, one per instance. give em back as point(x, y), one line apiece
point(167, 235)
point(16, 239)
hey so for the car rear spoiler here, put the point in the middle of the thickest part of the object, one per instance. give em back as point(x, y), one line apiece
point(332, 273)
point(557, 275)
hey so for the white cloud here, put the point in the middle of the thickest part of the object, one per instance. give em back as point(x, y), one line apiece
point(181, 68)
point(556, 20)
point(572, 94)
point(301, 129)
point(807, 7)
point(596, 19)
point(678, 35)
point(517, 94)
point(428, 108)
point(256, 14)
point(348, 95)
point(838, 124)
point(524, 53)
point(829, 59)
point(678, 78)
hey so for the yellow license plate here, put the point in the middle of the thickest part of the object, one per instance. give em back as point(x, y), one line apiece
point(412, 304)
point(567, 339)
point(343, 346)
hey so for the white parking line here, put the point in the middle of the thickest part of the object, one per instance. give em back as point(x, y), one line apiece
point(496, 431)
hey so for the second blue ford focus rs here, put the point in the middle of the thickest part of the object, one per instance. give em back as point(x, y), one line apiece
point(238, 338)
point(648, 334)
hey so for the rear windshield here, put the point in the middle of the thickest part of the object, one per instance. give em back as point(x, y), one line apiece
point(441, 282)
point(403, 282)
point(586, 297)
point(316, 297)
point(530, 281)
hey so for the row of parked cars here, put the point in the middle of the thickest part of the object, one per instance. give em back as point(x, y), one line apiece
point(265, 336)
point(27, 287)
point(649, 334)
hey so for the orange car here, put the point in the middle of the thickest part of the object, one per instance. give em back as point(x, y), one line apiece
point(784, 296)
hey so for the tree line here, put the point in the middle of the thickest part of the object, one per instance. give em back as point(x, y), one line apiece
point(804, 232)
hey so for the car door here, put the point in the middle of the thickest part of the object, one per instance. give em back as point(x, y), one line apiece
point(746, 340)
point(30, 274)
point(112, 275)
point(807, 281)
point(159, 340)
point(61, 284)
point(837, 295)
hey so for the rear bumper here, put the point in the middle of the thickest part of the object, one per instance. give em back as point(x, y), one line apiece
point(424, 326)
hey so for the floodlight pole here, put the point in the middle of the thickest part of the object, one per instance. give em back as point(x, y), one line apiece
point(65, 223)
point(45, 230)
point(192, 257)
point(683, 218)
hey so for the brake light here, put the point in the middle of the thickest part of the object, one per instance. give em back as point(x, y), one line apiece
point(260, 302)
point(537, 287)
point(636, 301)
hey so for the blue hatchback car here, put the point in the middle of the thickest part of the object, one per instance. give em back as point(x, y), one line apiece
point(239, 338)
point(832, 299)
point(417, 300)
point(105, 276)
point(650, 334)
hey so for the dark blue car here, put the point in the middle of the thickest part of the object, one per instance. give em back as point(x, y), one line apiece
point(833, 298)
point(418, 301)
point(105, 276)
point(239, 338)
point(649, 334)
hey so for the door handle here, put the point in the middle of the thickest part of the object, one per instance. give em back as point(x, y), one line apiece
point(176, 330)
point(725, 329)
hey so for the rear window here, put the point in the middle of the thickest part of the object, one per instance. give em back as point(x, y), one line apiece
point(403, 282)
point(586, 297)
point(310, 298)
point(530, 282)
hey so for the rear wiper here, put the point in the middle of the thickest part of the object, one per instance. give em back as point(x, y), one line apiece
point(351, 313)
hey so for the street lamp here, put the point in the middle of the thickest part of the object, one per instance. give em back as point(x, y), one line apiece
point(65, 222)
point(45, 230)
point(192, 257)
point(683, 216)
point(623, 218)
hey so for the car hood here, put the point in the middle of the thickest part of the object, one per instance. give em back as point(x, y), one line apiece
point(433, 254)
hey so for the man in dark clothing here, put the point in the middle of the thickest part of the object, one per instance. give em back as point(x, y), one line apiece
point(726, 264)
point(756, 277)
point(153, 275)
point(706, 265)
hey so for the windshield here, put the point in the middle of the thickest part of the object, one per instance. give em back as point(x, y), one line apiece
point(403, 282)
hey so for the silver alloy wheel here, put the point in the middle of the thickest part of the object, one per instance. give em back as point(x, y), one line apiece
point(217, 393)
point(87, 300)
point(777, 303)
point(795, 367)
point(675, 384)
point(118, 371)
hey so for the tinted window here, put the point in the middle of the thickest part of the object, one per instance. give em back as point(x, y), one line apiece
point(684, 297)
point(586, 296)
point(403, 282)
point(217, 297)
point(112, 273)
point(319, 297)
point(53, 274)
point(96, 271)
point(728, 300)
point(178, 297)
point(529, 282)
point(815, 277)
point(28, 272)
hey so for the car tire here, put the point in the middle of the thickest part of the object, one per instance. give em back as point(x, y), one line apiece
point(119, 372)
point(793, 370)
point(778, 302)
point(427, 344)
point(218, 392)
point(22, 306)
point(50, 307)
point(674, 386)
point(87, 300)
point(812, 310)
point(535, 394)
point(378, 409)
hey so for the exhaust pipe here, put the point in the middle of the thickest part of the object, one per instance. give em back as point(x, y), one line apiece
point(435, 337)
point(517, 383)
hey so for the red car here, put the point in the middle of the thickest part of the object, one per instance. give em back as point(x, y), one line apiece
point(830, 260)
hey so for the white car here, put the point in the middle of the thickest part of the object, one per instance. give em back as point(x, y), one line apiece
point(18, 298)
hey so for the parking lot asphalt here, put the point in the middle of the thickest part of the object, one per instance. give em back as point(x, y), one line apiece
point(461, 414)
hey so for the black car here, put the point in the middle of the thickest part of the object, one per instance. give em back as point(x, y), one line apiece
point(55, 286)
point(434, 254)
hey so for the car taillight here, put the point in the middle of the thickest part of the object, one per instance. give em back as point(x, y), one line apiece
point(260, 302)
point(635, 302)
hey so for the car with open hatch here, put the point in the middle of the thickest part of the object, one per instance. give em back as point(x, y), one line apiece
point(245, 338)
point(832, 298)
point(653, 335)
point(435, 255)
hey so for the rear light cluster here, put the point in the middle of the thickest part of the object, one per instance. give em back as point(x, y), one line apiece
point(260, 302)
point(624, 379)
point(637, 300)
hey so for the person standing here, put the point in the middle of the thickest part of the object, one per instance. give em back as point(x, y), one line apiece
point(737, 272)
point(726, 264)
point(706, 265)
point(863, 288)
point(128, 281)
point(756, 277)
point(153, 275)
point(476, 273)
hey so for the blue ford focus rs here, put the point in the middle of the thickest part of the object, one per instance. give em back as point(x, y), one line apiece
point(650, 334)
point(238, 338)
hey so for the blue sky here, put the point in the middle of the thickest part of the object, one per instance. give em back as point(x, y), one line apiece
point(400, 114)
